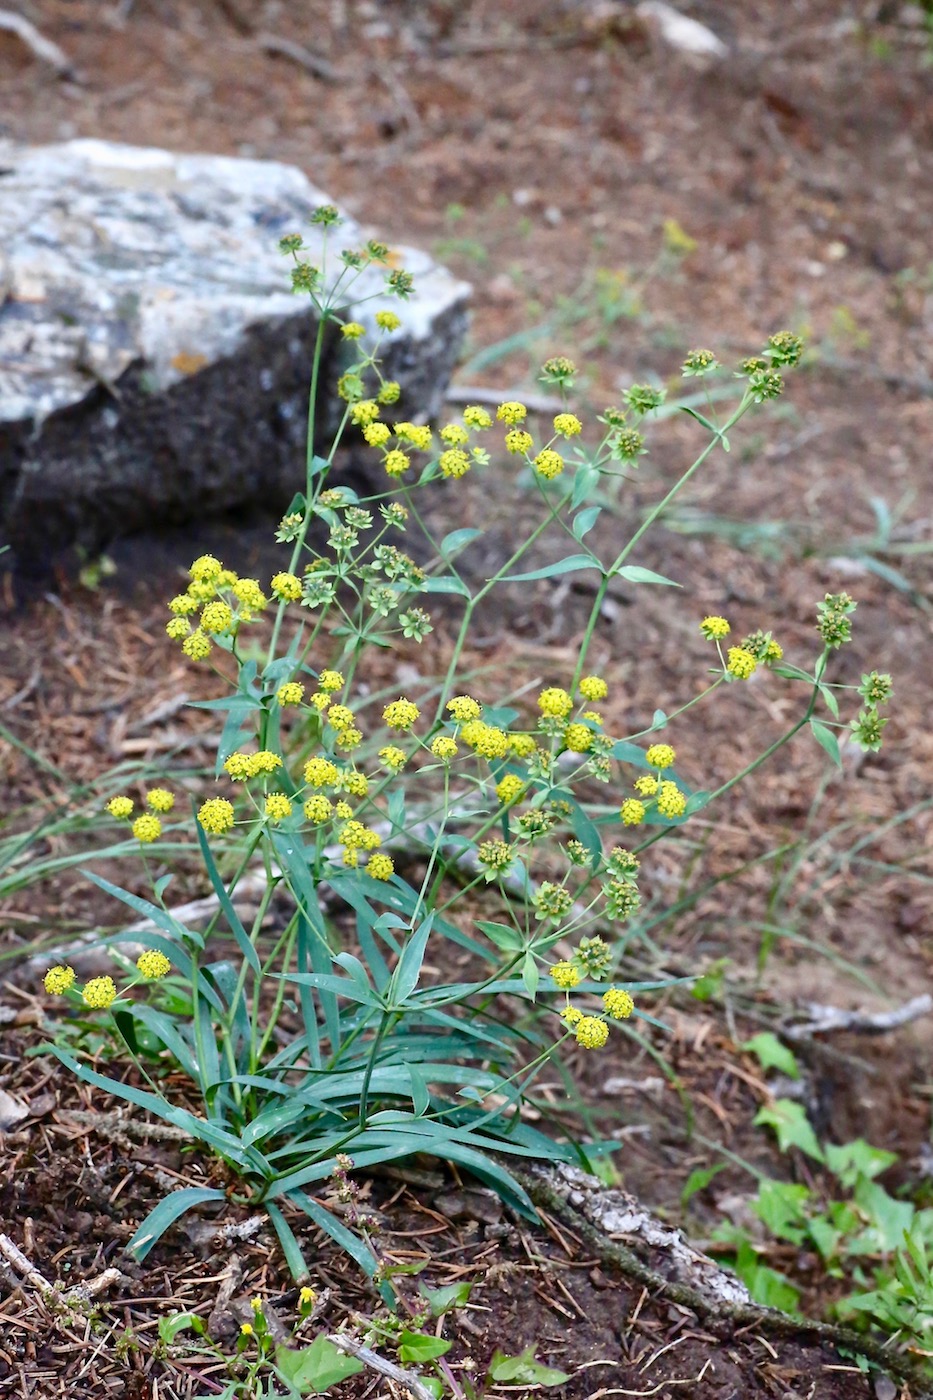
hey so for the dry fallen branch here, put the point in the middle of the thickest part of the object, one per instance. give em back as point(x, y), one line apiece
point(375, 1362)
point(479, 393)
point(833, 1018)
point(286, 48)
point(39, 46)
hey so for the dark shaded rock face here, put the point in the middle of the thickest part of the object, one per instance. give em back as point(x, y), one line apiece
point(154, 364)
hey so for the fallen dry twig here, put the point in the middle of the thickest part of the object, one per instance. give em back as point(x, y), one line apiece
point(39, 46)
point(833, 1018)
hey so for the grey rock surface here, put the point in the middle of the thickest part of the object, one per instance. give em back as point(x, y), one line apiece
point(154, 363)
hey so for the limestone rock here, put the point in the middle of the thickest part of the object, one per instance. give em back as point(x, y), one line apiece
point(154, 363)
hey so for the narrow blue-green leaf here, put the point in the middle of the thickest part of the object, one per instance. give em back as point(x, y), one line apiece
point(827, 740)
point(271, 1121)
point(710, 427)
point(658, 720)
point(337, 986)
point(634, 573)
point(584, 522)
point(405, 977)
point(294, 1258)
point(456, 540)
point(161, 917)
point(696, 802)
point(351, 1244)
point(445, 583)
point(502, 935)
point(164, 1028)
point(351, 964)
point(420, 1098)
point(226, 904)
point(585, 481)
point(294, 862)
point(569, 565)
point(530, 975)
point(169, 1209)
point(830, 701)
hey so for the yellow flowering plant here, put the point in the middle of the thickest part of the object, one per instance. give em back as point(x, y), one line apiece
point(304, 1046)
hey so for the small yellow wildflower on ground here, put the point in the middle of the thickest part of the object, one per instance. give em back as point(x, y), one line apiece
point(286, 586)
point(567, 425)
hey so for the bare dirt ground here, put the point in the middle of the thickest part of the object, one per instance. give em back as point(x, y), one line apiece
point(540, 150)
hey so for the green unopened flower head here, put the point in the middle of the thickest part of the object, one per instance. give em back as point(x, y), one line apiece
point(644, 398)
point(627, 445)
point(784, 348)
point(495, 856)
point(594, 956)
point(552, 901)
point(876, 688)
point(622, 899)
point(765, 384)
point(834, 622)
point(559, 371)
point(699, 362)
point(867, 730)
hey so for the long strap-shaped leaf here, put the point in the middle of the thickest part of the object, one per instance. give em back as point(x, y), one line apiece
point(169, 1209)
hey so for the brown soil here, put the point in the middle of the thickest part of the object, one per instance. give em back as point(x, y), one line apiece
point(539, 150)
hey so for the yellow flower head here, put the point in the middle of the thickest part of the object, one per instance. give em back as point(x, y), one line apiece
point(567, 425)
point(246, 1329)
point(518, 441)
point(216, 617)
point(239, 766)
point(476, 417)
point(153, 964)
point(393, 758)
point(387, 320)
point(592, 1033)
point(216, 815)
point(549, 464)
point(464, 708)
point(278, 807)
point(352, 330)
point(396, 462)
point(377, 434)
point(741, 663)
point(100, 992)
point(522, 745)
point(197, 645)
point(205, 568)
point(380, 867)
point(400, 714)
point(418, 434)
point(355, 783)
point(577, 738)
point(58, 979)
point(363, 412)
point(349, 739)
point(593, 688)
point(632, 812)
point(183, 605)
point(177, 628)
point(147, 828)
point(265, 761)
point(618, 1004)
point(509, 789)
point(564, 975)
point(120, 806)
point(341, 716)
point(555, 703)
point(647, 785)
point(485, 739)
point(454, 462)
point(671, 801)
point(291, 693)
point(444, 748)
point(715, 628)
point(511, 412)
point(343, 811)
point(331, 681)
point(318, 808)
point(249, 593)
point(286, 586)
point(320, 772)
point(160, 799)
point(572, 1015)
point(660, 756)
point(454, 435)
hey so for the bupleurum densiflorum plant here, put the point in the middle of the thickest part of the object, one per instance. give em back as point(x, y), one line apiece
point(372, 821)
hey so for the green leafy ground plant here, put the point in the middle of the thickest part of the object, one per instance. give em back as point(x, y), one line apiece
point(306, 1042)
